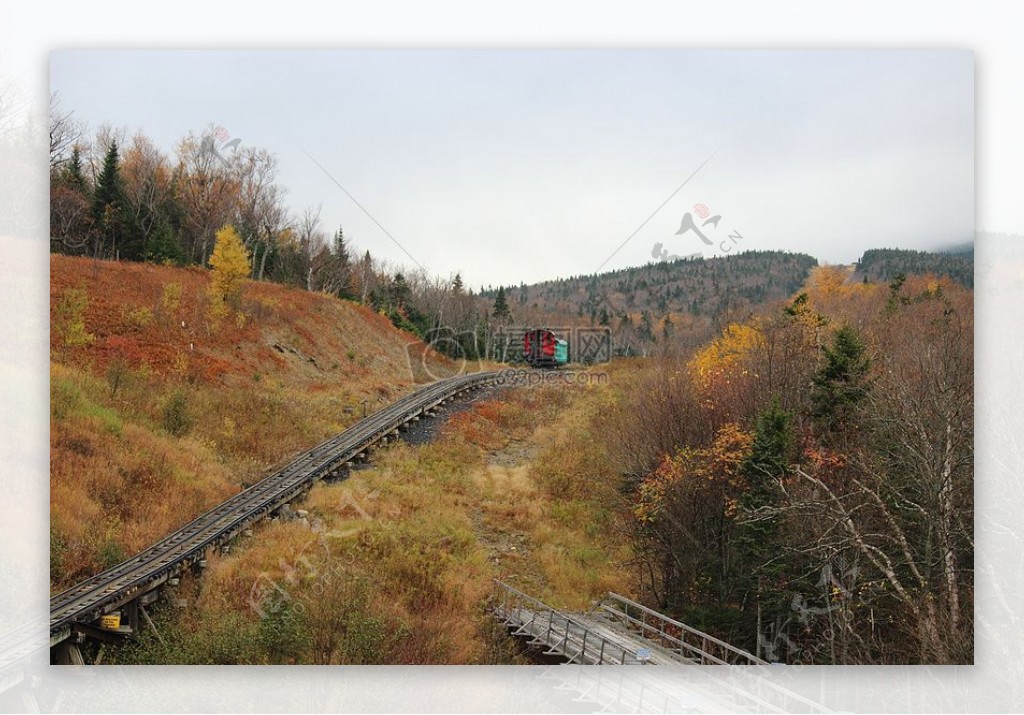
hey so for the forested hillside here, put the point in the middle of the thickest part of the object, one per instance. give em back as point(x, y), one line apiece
point(662, 304)
point(803, 484)
point(884, 264)
point(117, 196)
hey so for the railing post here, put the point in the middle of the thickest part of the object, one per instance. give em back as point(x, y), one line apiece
point(600, 656)
point(583, 650)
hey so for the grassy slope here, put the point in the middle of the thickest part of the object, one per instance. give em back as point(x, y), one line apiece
point(166, 413)
point(395, 563)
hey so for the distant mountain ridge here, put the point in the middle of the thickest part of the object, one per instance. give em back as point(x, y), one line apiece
point(966, 247)
point(884, 264)
point(678, 301)
point(695, 286)
point(688, 300)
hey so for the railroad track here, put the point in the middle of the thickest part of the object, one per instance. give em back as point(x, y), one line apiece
point(143, 573)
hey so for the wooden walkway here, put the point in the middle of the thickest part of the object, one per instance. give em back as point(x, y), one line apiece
point(619, 631)
point(616, 631)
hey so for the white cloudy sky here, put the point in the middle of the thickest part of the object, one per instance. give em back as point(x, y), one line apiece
point(523, 165)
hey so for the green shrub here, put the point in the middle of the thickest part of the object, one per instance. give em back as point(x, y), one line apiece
point(64, 398)
point(141, 317)
point(111, 553)
point(177, 418)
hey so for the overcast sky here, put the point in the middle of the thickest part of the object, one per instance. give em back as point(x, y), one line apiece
point(512, 166)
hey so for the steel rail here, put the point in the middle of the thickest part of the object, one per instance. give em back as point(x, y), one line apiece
point(124, 582)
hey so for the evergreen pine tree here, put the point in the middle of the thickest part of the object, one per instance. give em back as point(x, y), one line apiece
point(72, 174)
point(646, 329)
point(163, 245)
point(841, 382)
point(341, 264)
point(501, 309)
point(400, 292)
point(340, 249)
point(757, 540)
point(108, 203)
point(769, 455)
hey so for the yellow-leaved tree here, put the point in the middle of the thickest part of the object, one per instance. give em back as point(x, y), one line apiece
point(728, 356)
point(230, 266)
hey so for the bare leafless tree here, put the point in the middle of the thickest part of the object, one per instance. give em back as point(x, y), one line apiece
point(65, 130)
point(147, 183)
point(69, 218)
point(312, 243)
point(260, 213)
point(207, 190)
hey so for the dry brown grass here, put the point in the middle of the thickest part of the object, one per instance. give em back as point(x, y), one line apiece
point(163, 413)
point(423, 532)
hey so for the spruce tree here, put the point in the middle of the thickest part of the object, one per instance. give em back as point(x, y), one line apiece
point(72, 174)
point(340, 248)
point(108, 202)
point(841, 382)
point(758, 547)
point(400, 292)
point(342, 264)
point(501, 310)
point(770, 453)
point(163, 245)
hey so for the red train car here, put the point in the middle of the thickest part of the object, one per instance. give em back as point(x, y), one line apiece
point(542, 349)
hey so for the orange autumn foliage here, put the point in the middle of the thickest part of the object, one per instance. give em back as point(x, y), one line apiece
point(713, 468)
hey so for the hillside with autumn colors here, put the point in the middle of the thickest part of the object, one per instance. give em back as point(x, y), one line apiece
point(779, 453)
point(160, 408)
point(802, 484)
